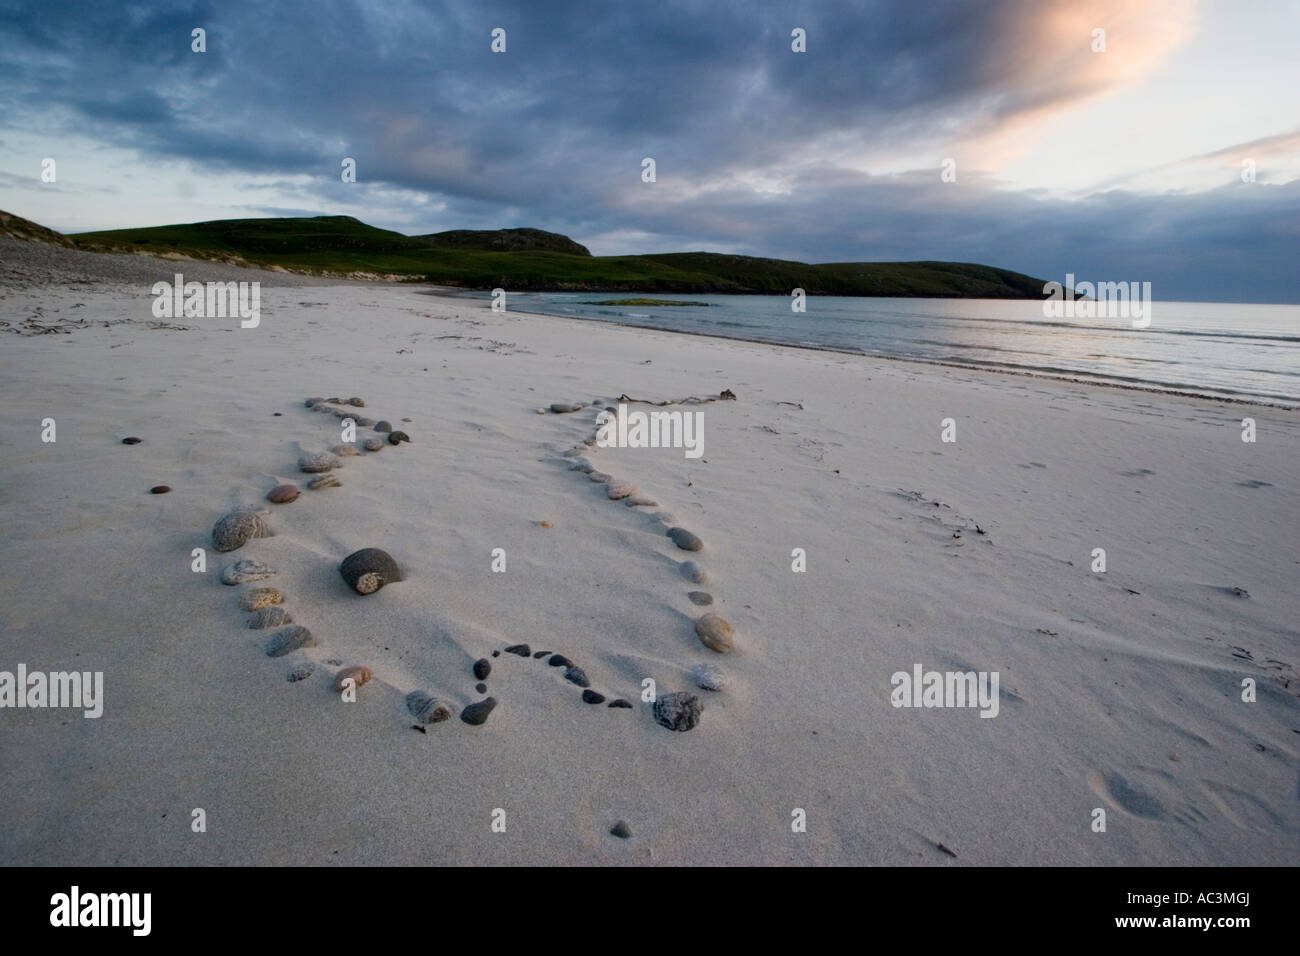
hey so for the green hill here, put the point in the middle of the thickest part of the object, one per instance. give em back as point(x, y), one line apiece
point(505, 240)
point(533, 260)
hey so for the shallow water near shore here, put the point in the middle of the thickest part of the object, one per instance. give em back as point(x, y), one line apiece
point(1246, 352)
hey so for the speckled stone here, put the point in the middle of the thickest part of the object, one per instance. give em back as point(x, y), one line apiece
point(322, 461)
point(237, 528)
point(482, 667)
point(269, 617)
point(702, 598)
point(289, 639)
point(715, 633)
point(383, 426)
point(592, 697)
point(258, 598)
point(679, 712)
point(344, 451)
point(323, 481)
point(523, 650)
point(373, 444)
point(396, 438)
point(246, 570)
point(709, 676)
point(577, 675)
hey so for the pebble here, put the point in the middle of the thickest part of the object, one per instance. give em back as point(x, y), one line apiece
point(426, 708)
point(132, 440)
point(342, 413)
point(577, 675)
point(323, 481)
point(237, 528)
point(693, 572)
point(160, 489)
point(270, 617)
point(715, 633)
point(543, 524)
point(702, 598)
point(599, 476)
point(523, 650)
point(559, 660)
point(334, 401)
point(538, 655)
point(368, 570)
point(301, 672)
point(323, 461)
point(373, 444)
point(678, 712)
point(245, 570)
point(621, 488)
point(685, 540)
point(358, 676)
point(344, 451)
point(364, 422)
point(564, 408)
point(321, 407)
point(289, 639)
point(282, 494)
point(481, 688)
point(582, 465)
point(591, 697)
point(383, 427)
point(621, 829)
point(482, 667)
point(477, 712)
point(627, 705)
point(258, 598)
point(313, 401)
point(709, 676)
point(641, 501)
point(396, 438)
point(356, 402)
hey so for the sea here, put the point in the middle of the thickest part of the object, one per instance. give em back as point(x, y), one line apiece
point(1242, 352)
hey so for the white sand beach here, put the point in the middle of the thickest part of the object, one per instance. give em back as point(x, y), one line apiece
point(1119, 690)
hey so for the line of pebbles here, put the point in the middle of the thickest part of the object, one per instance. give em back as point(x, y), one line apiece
point(366, 571)
point(679, 711)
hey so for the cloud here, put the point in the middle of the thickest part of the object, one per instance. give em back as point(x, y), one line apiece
point(828, 155)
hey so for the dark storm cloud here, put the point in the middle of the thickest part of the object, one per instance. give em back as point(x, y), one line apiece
point(552, 133)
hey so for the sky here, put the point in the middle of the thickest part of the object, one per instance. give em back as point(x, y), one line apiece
point(1163, 149)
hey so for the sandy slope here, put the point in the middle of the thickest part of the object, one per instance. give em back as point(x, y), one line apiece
point(1129, 702)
